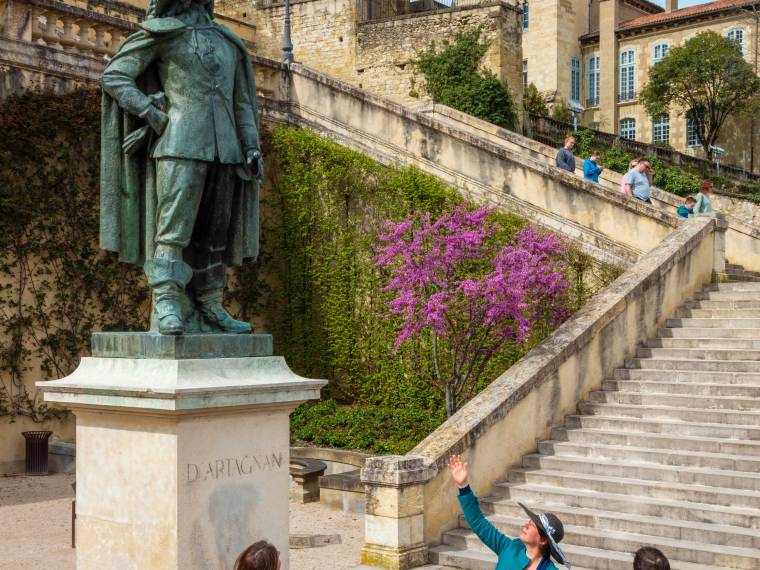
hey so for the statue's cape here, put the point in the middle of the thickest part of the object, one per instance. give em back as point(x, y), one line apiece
point(128, 183)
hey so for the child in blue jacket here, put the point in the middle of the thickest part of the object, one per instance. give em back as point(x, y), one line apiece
point(591, 168)
point(539, 537)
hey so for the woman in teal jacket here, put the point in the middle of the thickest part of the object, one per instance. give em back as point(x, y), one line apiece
point(539, 537)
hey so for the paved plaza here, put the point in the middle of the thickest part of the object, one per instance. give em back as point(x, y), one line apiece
point(35, 513)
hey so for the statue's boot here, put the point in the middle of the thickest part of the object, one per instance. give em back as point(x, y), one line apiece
point(168, 278)
point(212, 310)
point(208, 285)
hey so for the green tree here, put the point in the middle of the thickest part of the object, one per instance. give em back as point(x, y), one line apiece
point(706, 76)
point(453, 76)
point(534, 101)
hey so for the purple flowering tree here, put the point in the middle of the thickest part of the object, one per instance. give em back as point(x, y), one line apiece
point(467, 293)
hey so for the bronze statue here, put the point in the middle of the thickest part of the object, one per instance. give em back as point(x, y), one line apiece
point(181, 163)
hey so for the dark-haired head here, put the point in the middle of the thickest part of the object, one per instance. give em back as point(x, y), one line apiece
point(650, 558)
point(261, 555)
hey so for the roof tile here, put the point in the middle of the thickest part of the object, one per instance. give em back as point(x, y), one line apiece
point(702, 9)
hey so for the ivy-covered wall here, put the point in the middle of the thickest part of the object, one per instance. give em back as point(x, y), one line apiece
point(323, 211)
point(56, 286)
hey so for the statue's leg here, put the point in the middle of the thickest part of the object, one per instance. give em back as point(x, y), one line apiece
point(179, 186)
point(209, 243)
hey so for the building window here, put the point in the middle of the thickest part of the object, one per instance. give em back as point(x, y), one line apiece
point(661, 130)
point(628, 129)
point(659, 52)
point(593, 81)
point(526, 16)
point(575, 79)
point(525, 73)
point(695, 121)
point(627, 75)
point(737, 35)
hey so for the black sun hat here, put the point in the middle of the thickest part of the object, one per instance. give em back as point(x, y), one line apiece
point(551, 527)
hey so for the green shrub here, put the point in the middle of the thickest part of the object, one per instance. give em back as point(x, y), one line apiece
point(453, 76)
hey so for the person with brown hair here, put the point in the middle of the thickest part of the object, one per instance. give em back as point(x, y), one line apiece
point(703, 204)
point(565, 159)
point(650, 558)
point(261, 555)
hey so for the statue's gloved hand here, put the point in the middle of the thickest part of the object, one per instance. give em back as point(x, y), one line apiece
point(154, 114)
point(255, 162)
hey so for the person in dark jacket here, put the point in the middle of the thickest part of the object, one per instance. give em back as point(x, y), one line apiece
point(539, 536)
point(565, 157)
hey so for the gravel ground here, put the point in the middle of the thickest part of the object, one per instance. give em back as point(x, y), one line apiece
point(35, 518)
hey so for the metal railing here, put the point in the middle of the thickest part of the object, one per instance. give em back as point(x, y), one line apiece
point(371, 10)
point(592, 102)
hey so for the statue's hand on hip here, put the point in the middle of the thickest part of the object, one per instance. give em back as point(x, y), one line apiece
point(154, 115)
point(255, 162)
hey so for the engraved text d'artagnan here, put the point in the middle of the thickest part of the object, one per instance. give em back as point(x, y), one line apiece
point(234, 467)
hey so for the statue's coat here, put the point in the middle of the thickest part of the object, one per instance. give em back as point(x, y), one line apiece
point(128, 183)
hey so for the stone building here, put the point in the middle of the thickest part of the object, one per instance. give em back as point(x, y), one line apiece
point(624, 52)
point(599, 53)
point(370, 43)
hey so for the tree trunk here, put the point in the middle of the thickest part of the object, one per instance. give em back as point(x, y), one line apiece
point(451, 406)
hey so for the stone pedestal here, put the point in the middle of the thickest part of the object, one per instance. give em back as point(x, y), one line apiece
point(182, 448)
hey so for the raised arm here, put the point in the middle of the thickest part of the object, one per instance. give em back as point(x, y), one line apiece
point(492, 537)
point(119, 80)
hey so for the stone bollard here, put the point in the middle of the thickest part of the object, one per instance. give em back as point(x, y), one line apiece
point(306, 474)
point(394, 520)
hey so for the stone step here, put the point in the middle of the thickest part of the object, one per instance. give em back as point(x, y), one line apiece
point(686, 313)
point(677, 428)
point(578, 555)
point(728, 304)
point(705, 343)
point(699, 353)
point(626, 502)
point(597, 462)
point(625, 522)
point(652, 456)
point(654, 489)
point(688, 376)
point(683, 388)
point(725, 296)
point(618, 541)
point(677, 400)
point(679, 332)
point(743, 287)
point(699, 365)
point(735, 418)
point(671, 443)
point(713, 323)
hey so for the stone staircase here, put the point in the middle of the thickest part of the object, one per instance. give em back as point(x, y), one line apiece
point(666, 454)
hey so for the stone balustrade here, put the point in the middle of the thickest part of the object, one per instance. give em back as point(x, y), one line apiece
point(96, 30)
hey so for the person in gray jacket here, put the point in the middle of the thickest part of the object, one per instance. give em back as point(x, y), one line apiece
point(565, 157)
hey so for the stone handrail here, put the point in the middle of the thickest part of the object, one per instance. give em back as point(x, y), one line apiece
point(411, 500)
point(742, 238)
point(605, 225)
point(68, 27)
